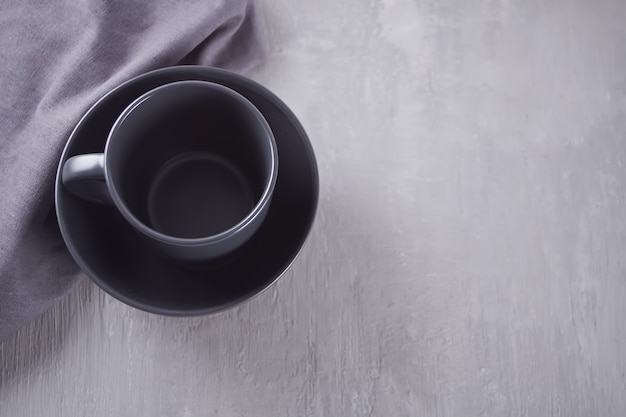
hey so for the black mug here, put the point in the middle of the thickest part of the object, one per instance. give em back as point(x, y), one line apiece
point(190, 165)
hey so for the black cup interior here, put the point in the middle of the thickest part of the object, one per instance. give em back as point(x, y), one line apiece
point(190, 159)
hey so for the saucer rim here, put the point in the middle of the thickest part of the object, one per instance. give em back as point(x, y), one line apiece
point(217, 75)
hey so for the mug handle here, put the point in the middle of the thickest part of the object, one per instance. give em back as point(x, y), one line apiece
point(83, 175)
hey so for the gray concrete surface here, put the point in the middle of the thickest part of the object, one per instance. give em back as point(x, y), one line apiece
point(469, 254)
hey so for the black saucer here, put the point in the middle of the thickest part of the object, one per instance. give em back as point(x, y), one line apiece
point(117, 260)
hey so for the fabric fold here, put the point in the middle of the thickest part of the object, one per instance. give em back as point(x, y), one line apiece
point(56, 60)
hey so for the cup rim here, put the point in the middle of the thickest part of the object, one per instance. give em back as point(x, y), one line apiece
point(196, 241)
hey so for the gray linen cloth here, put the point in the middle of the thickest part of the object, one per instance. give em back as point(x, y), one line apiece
point(56, 59)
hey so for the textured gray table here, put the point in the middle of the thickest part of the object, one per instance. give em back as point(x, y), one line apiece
point(469, 254)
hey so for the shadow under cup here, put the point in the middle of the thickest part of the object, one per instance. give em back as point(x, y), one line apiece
point(192, 166)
